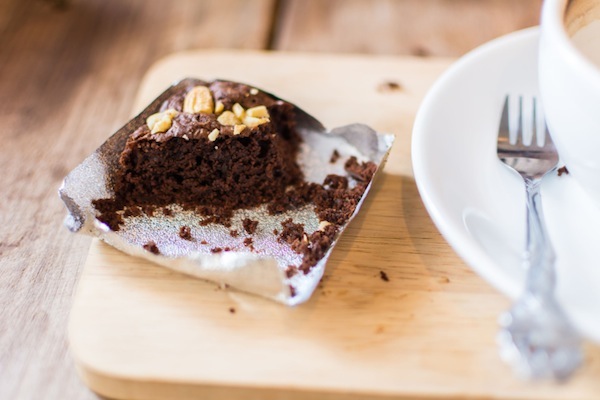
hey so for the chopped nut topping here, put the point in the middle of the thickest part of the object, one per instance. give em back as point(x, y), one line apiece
point(219, 107)
point(238, 110)
point(199, 100)
point(253, 122)
point(213, 135)
point(254, 91)
point(237, 129)
point(258, 112)
point(323, 225)
point(251, 118)
point(162, 121)
point(228, 118)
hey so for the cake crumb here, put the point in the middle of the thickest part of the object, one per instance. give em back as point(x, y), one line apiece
point(361, 172)
point(185, 233)
point(234, 233)
point(290, 271)
point(216, 219)
point(389, 86)
point(292, 291)
point(562, 170)
point(149, 209)
point(275, 232)
point(132, 211)
point(334, 156)
point(384, 276)
point(250, 225)
point(248, 241)
point(151, 247)
point(216, 250)
point(294, 235)
point(335, 182)
point(203, 242)
point(167, 212)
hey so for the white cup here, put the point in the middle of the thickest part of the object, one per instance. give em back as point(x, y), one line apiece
point(569, 73)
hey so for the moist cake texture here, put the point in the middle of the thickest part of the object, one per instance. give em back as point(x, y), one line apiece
point(216, 147)
point(221, 144)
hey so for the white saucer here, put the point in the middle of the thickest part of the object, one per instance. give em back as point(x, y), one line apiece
point(477, 203)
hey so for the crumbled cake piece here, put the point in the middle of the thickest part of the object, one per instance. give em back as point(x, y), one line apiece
point(361, 172)
point(250, 225)
point(562, 170)
point(384, 276)
point(294, 235)
point(151, 247)
point(335, 155)
point(290, 271)
point(185, 233)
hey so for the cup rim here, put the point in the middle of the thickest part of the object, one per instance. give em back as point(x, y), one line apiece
point(553, 25)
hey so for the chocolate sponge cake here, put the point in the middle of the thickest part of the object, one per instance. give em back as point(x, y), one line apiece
point(220, 144)
point(217, 147)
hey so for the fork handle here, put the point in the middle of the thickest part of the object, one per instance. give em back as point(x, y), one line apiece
point(539, 259)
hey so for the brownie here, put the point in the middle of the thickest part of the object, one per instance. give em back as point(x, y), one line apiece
point(238, 152)
point(217, 147)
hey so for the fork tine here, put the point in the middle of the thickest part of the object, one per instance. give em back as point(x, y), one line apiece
point(504, 130)
point(540, 124)
point(519, 140)
point(528, 120)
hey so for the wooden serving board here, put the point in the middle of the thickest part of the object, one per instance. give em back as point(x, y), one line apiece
point(139, 331)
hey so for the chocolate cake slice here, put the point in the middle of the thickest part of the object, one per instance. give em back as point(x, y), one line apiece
point(227, 183)
point(217, 147)
point(219, 144)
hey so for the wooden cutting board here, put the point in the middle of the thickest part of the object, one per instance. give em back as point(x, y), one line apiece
point(139, 331)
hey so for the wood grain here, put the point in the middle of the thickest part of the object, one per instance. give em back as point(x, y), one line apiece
point(139, 331)
point(68, 77)
point(69, 70)
point(580, 13)
point(418, 27)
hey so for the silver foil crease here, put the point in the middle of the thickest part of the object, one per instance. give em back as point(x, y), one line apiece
point(260, 270)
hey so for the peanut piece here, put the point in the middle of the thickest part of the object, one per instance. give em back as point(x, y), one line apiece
point(161, 122)
point(228, 118)
point(212, 136)
point(238, 110)
point(219, 107)
point(253, 122)
point(237, 129)
point(258, 112)
point(198, 100)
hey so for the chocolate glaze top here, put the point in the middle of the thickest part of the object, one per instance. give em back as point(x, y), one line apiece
point(198, 126)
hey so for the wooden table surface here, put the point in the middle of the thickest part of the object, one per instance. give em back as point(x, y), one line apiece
point(69, 71)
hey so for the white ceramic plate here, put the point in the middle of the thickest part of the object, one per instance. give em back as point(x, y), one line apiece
point(477, 203)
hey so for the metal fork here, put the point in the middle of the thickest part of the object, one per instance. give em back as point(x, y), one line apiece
point(536, 336)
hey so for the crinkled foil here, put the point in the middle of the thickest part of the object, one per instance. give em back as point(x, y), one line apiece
point(260, 270)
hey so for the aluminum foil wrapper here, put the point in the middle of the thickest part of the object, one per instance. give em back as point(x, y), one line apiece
point(259, 270)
